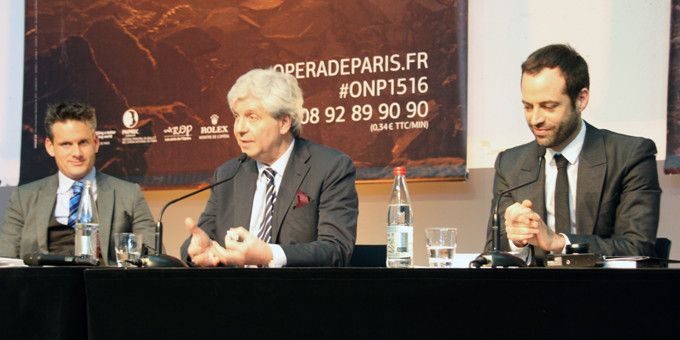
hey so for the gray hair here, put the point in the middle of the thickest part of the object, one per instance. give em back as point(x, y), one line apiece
point(278, 93)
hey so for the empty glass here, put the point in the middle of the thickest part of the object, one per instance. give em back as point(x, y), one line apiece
point(128, 247)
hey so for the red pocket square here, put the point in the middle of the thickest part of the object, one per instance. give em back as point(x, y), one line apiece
point(301, 199)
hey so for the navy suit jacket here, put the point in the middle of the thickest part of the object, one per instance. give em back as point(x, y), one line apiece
point(617, 192)
point(319, 233)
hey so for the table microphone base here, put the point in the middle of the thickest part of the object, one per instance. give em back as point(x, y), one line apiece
point(495, 259)
point(166, 261)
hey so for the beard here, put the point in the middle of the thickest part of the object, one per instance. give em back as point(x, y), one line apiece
point(563, 132)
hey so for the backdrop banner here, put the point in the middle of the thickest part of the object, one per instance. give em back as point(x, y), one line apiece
point(672, 165)
point(384, 81)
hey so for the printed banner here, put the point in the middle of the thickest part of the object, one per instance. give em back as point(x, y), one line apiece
point(672, 165)
point(383, 80)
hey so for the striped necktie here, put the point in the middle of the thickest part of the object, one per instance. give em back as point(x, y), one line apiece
point(265, 232)
point(74, 203)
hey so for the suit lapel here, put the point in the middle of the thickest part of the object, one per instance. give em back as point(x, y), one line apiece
point(105, 202)
point(296, 171)
point(244, 187)
point(534, 192)
point(591, 172)
point(47, 198)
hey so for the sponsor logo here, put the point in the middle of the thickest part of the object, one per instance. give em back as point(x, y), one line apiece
point(131, 134)
point(130, 118)
point(178, 133)
point(214, 131)
point(106, 136)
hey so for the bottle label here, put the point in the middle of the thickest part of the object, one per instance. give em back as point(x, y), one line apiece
point(399, 241)
point(87, 239)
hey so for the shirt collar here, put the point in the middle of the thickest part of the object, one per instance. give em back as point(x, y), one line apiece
point(573, 149)
point(280, 164)
point(65, 183)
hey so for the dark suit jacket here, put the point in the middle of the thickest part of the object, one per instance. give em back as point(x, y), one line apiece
point(120, 204)
point(617, 191)
point(320, 233)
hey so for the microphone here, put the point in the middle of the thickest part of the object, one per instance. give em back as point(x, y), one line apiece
point(41, 259)
point(497, 258)
point(162, 260)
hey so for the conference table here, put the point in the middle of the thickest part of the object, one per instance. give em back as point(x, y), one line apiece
point(192, 303)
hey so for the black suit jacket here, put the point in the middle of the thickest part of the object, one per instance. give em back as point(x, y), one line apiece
point(320, 233)
point(617, 191)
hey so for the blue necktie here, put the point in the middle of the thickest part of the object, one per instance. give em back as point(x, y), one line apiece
point(74, 203)
point(265, 232)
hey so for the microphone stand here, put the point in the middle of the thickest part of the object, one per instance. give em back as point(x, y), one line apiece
point(159, 259)
point(163, 260)
point(496, 257)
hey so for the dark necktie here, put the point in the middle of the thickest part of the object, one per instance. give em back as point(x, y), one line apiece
point(74, 203)
point(265, 232)
point(562, 219)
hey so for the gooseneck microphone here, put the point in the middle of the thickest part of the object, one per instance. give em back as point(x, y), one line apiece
point(497, 258)
point(162, 260)
point(41, 259)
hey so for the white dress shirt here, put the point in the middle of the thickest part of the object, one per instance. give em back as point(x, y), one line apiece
point(65, 192)
point(257, 214)
point(571, 152)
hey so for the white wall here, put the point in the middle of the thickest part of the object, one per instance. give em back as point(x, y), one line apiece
point(625, 42)
point(11, 88)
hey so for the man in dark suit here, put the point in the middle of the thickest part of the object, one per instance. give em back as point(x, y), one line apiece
point(291, 202)
point(38, 217)
point(594, 186)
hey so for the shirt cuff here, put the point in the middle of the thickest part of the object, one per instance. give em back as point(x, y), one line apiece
point(513, 247)
point(566, 243)
point(278, 256)
point(521, 252)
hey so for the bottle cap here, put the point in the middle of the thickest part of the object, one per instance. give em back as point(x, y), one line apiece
point(399, 170)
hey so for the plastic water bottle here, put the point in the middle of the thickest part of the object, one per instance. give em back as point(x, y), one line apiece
point(87, 224)
point(399, 223)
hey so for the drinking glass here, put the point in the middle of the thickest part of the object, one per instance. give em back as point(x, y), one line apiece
point(128, 247)
point(441, 246)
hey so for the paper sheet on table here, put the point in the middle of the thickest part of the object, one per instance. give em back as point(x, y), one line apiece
point(11, 262)
point(623, 261)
